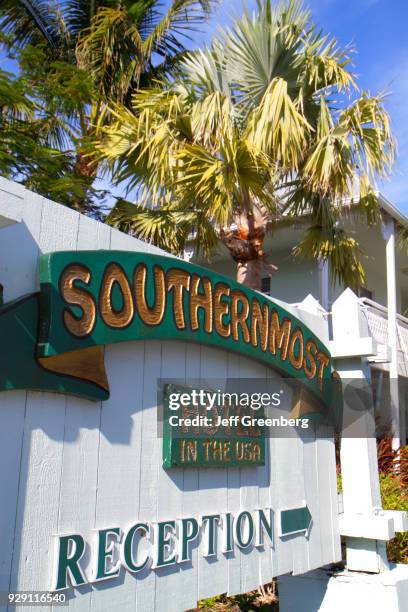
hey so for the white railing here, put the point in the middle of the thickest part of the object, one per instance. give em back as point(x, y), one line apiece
point(376, 316)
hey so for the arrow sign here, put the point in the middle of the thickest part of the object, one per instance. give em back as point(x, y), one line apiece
point(295, 520)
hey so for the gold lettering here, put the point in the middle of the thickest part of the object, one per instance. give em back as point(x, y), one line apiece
point(217, 451)
point(297, 336)
point(309, 362)
point(247, 451)
point(206, 445)
point(239, 318)
point(279, 335)
point(323, 360)
point(239, 450)
point(191, 454)
point(221, 308)
point(154, 315)
point(77, 296)
point(115, 318)
point(259, 324)
point(178, 280)
point(201, 300)
point(226, 451)
point(256, 452)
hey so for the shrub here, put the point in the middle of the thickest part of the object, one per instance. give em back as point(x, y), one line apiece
point(395, 497)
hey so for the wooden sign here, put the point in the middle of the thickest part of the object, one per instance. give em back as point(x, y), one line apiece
point(199, 437)
point(92, 298)
point(85, 497)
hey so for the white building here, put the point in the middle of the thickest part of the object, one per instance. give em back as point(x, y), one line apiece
point(383, 300)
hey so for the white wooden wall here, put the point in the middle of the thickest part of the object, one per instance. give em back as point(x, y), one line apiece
point(69, 465)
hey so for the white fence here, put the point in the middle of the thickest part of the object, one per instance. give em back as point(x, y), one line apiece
point(376, 316)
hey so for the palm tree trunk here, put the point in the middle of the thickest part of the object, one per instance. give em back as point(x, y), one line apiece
point(250, 273)
point(245, 244)
point(86, 171)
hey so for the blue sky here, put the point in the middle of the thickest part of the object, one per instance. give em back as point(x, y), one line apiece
point(379, 32)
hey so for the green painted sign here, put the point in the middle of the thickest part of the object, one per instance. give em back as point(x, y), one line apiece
point(295, 520)
point(216, 437)
point(19, 367)
point(91, 298)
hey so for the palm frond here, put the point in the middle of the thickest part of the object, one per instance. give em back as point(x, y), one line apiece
point(277, 127)
point(250, 126)
point(165, 227)
point(205, 70)
point(79, 14)
point(263, 47)
point(326, 64)
point(111, 48)
point(14, 104)
point(31, 22)
point(180, 19)
point(335, 246)
point(368, 128)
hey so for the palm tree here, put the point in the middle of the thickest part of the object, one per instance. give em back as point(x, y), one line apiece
point(121, 44)
point(266, 125)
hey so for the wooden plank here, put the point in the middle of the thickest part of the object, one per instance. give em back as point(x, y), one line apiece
point(79, 482)
point(149, 465)
point(327, 486)
point(170, 485)
point(285, 493)
point(313, 497)
point(118, 482)
point(125, 242)
point(191, 497)
point(249, 491)
point(92, 235)
point(11, 202)
point(265, 501)
point(39, 492)
point(233, 498)
point(12, 416)
point(18, 276)
point(273, 379)
point(299, 543)
point(59, 227)
point(81, 443)
point(213, 483)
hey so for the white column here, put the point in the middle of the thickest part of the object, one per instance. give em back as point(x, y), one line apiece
point(389, 236)
point(358, 454)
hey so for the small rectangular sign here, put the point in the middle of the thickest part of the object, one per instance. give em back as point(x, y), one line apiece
point(199, 435)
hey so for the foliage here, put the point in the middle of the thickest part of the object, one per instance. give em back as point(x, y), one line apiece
point(393, 461)
point(264, 599)
point(36, 145)
point(73, 56)
point(114, 41)
point(265, 125)
point(395, 497)
point(393, 466)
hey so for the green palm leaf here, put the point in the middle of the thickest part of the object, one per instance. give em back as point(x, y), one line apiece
point(31, 21)
point(266, 124)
